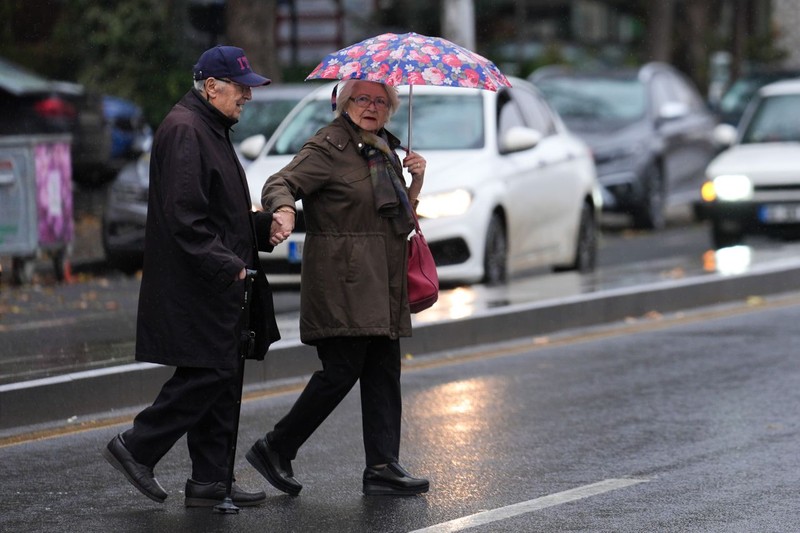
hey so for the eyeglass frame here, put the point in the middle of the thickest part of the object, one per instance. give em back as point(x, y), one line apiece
point(371, 101)
point(243, 88)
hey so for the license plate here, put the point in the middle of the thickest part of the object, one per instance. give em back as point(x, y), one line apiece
point(779, 213)
point(295, 251)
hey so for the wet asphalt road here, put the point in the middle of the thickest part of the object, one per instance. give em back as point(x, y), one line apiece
point(691, 420)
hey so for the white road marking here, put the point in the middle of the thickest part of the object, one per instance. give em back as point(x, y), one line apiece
point(487, 517)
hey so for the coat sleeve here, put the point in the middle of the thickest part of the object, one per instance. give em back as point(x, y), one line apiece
point(185, 186)
point(306, 173)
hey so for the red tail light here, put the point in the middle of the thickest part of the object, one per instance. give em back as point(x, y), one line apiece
point(54, 107)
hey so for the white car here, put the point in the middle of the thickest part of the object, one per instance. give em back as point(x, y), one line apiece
point(754, 185)
point(507, 187)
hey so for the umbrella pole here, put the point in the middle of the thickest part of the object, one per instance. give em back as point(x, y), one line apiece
point(410, 94)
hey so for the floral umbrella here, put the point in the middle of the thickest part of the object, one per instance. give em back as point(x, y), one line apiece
point(411, 59)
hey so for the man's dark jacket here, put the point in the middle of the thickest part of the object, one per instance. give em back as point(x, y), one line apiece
point(200, 233)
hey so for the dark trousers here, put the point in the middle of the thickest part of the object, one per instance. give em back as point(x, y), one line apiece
point(375, 362)
point(198, 403)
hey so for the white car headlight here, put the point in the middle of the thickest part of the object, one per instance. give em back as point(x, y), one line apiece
point(732, 187)
point(448, 204)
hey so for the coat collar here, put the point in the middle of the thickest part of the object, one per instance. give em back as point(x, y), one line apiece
point(194, 101)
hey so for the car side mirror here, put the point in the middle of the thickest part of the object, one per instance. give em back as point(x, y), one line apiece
point(724, 135)
point(519, 138)
point(252, 146)
point(672, 111)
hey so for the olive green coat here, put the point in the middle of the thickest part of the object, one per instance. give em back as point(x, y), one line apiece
point(353, 280)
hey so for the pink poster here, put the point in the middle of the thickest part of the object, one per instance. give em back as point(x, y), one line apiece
point(54, 193)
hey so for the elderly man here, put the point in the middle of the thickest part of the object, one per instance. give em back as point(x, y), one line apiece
point(201, 237)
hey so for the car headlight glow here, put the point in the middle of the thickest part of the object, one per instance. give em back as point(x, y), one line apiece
point(449, 204)
point(731, 188)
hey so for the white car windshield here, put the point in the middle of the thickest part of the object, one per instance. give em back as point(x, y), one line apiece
point(439, 122)
point(776, 119)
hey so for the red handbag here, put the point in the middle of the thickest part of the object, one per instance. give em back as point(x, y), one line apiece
point(423, 281)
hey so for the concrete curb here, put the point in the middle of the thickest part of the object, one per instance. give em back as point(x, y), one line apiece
point(59, 399)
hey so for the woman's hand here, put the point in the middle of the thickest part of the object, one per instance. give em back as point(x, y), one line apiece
point(415, 164)
point(282, 225)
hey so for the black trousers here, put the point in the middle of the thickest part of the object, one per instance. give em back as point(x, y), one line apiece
point(375, 362)
point(199, 403)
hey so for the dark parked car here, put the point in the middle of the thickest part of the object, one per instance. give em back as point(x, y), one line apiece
point(31, 104)
point(125, 210)
point(734, 100)
point(129, 130)
point(650, 130)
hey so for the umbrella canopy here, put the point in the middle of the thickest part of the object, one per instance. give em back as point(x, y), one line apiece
point(411, 59)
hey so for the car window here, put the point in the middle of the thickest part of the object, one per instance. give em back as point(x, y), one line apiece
point(585, 100)
point(508, 114)
point(261, 117)
point(441, 121)
point(535, 112)
point(313, 116)
point(775, 119)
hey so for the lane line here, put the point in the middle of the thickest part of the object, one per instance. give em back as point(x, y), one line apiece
point(509, 511)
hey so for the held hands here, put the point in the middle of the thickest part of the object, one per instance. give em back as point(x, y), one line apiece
point(282, 225)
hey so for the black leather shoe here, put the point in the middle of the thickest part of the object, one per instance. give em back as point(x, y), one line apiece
point(213, 493)
point(393, 479)
point(139, 475)
point(274, 467)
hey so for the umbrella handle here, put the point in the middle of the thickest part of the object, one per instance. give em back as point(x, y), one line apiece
point(410, 94)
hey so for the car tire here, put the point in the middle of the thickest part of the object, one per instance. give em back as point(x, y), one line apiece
point(586, 244)
point(649, 214)
point(495, 252)
point(22, 270)
point(725, 233)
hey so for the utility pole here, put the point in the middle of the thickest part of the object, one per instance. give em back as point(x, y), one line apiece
point(458, 22)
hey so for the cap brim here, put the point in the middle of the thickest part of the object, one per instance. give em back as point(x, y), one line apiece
point(251, 80)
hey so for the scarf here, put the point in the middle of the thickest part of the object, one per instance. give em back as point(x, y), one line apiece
point(388, 188)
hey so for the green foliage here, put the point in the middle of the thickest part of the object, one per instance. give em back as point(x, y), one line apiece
point(125, 48)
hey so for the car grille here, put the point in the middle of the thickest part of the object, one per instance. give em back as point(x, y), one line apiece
point(449, 252)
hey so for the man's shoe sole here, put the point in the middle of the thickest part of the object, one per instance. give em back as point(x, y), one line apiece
point(206, 502)
point(116, 464)
point(253, 457)
point(379, 489)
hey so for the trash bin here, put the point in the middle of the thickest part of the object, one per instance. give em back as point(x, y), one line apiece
point(36, 202)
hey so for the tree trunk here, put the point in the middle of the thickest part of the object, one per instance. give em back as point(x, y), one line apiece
point(660, 18)
point(250, 25)
point(698, 15)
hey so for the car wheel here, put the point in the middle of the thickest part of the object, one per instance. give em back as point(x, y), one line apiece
point(726, 233)
point(586, 245)
point(495, 253)
point(650, 213)
point(22, 270)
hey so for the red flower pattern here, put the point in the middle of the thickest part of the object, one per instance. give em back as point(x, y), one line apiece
point(411, 59)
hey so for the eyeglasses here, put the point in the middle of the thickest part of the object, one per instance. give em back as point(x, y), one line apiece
point(242, 88)
point(365, 101)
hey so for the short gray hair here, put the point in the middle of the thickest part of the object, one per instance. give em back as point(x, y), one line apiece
point(347, 87)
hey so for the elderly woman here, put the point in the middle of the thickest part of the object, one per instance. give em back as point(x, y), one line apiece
point(354, 302)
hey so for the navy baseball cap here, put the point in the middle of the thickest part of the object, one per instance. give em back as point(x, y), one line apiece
point(228, 62)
